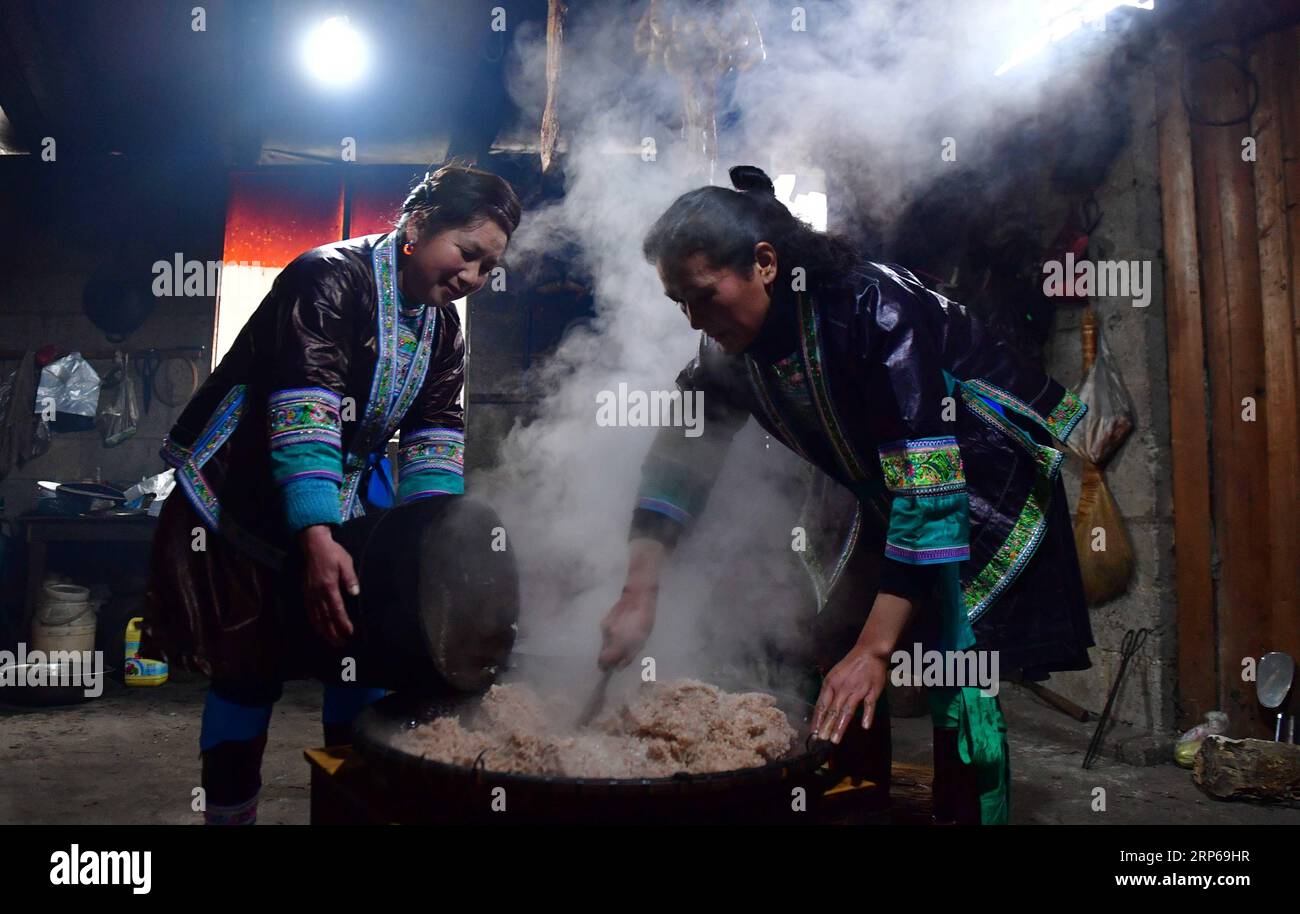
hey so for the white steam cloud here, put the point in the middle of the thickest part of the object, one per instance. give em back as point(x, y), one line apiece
point(868, 94)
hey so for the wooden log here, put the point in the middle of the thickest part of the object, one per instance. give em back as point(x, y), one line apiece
point(1274, 66)
point(1248, 769)
point(1188, 425)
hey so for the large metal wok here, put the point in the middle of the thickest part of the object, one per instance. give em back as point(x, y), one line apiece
point(432, 791)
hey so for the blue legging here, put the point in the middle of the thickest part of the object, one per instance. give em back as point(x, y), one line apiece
point(239, 715)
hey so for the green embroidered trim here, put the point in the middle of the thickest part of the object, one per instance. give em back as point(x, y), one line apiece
point(303, 414)
point(824, 584)
point(810, 337)
point(1066, 415)
point(789, 388)
point(1019, 546)
point(789, 371)
point(1059, 423)
point(1048, 458)
point(771, 410)
point(414, 379)
point(1002, 569)
point(194, 486)
point(432, 449)
point(384, 413)
point(923, 466)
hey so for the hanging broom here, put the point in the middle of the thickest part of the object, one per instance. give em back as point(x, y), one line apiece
point(1100, 537)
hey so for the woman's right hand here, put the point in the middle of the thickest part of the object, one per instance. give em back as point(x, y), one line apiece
point(628, 624)
point(327, 567)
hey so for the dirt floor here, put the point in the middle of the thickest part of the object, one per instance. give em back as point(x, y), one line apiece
point(131, 756)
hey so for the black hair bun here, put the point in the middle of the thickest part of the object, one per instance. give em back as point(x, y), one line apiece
point(751, 178)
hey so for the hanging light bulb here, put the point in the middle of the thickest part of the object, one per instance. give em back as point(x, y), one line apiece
point(335, 53)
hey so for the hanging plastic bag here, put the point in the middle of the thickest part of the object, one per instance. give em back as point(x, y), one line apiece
point(1101, 539)
point(70, 388)
point(1110, 416)
point(120, 416)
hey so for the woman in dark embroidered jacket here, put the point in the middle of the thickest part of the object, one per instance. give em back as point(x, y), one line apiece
point(356, 341)
point(944, 437)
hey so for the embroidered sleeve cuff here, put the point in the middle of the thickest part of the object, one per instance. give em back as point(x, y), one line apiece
point(310, 460)
point(431, 449)
point(305, 435)
point(671, 489)
point(923, 467)
point(413, 486)
point(648, 523)
point(302, 414)
point(310, 501)
point(929, 530)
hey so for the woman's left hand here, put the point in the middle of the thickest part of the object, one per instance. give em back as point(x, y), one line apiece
point(859, 677)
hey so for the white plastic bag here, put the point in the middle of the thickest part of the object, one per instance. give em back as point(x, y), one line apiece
point(1110, 416)
point(70, 385)
point(1215, 724)
point(120, 416)
point(159, 486)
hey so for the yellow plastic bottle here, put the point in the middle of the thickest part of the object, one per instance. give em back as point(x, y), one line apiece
point(141, 671)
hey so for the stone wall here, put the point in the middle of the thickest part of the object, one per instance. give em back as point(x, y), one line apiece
point(1139, 475)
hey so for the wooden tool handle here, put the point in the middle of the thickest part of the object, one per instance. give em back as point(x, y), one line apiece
point(1058, 702)
point(1089, 335)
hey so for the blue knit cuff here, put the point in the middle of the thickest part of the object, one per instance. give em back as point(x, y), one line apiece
point(310, 501)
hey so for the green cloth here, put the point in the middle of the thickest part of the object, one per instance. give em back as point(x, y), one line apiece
point(981, 741)
point(982, 731)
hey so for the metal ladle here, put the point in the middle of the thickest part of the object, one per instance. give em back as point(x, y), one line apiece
point(1273, 684)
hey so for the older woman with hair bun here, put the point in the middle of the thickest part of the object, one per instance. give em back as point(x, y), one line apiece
point(356, 341)
point(947, 441)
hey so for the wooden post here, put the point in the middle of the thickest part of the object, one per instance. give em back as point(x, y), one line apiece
point(1274, 64)
point(1234, 331)
point(1189, 431)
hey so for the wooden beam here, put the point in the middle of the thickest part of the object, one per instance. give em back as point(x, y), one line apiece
point(1273, 64)
point(1234, 331)
point(1188, 424)
point(1290, 113)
